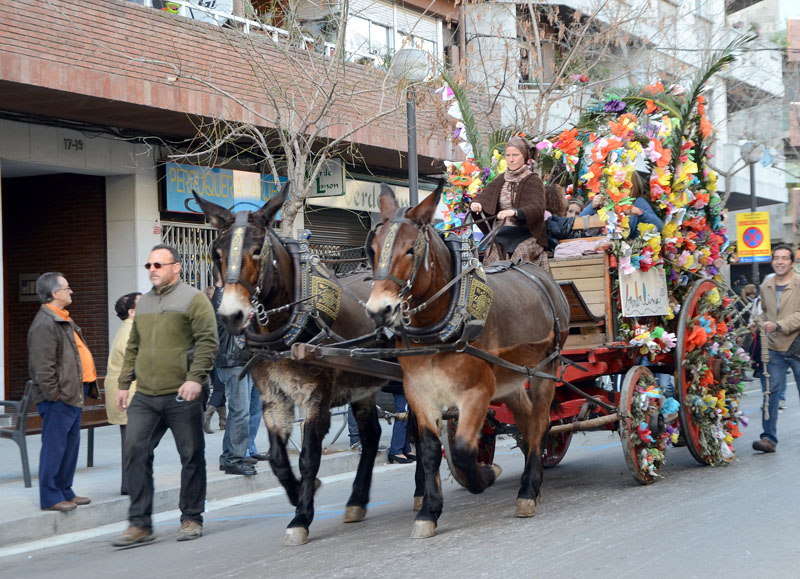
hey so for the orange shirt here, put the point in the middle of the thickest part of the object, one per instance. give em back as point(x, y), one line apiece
point(87, 361)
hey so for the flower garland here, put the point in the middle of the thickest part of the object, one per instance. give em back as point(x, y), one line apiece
point(647, 402)
point(715, 365)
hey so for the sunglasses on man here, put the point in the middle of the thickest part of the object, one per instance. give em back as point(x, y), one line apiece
point(157, 265)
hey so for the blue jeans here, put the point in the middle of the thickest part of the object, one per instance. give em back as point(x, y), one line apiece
point(399, 444)
point(352, 428)
point(255, 420)
point(796, 380)
point(61, 438)
point(149, 417)
point(237, 429)
point(777, 368)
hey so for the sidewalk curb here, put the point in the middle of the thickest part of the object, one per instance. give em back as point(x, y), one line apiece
point(43, 524)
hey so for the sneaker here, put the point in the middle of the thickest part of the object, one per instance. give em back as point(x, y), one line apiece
point(190, 530)
point(782, 405)
point(134, 536)
point(764, 445)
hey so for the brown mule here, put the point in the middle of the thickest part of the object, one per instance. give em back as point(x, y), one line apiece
point(520, 328)
point(254, 261)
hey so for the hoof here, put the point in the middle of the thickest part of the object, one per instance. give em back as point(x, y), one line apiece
point(423, 530)
point(497, 470)
point(417, 504)
point(295, 536)
point(526, 508)
point(354, 514)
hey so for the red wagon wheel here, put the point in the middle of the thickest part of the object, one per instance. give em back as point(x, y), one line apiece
point(642, 430)
point(555, 446)
point(486, 444)
point(690, 427)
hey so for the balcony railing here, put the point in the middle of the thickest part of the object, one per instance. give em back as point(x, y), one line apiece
point(247, 26)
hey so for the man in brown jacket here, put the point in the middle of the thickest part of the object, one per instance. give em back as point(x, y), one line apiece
point(62, 370)
point(780, 298)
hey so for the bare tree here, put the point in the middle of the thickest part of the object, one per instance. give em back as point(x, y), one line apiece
point(313, 97)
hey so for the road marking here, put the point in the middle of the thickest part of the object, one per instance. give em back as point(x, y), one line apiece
point(170, 517)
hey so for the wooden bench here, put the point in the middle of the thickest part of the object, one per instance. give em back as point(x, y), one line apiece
point(587, 286)
point(25, 420)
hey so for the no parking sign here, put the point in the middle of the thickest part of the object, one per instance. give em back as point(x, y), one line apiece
point(753, 243)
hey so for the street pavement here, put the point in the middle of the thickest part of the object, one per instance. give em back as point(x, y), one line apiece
point(593, 521)
point(21, 519)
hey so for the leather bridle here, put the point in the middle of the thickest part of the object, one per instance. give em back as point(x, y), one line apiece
point(233, 271)
point(421, 251)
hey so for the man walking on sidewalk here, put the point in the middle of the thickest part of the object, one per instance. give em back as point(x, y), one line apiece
point(171, 351)
point(780, 299)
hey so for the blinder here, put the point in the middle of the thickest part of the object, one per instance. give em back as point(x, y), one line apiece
point(384, 260)
point(233, 271)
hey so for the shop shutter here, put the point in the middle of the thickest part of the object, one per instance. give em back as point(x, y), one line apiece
point(339, 227)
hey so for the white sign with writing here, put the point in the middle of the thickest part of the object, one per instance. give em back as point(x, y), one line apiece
point(644, 293)
point(365, 196)
point(330, 181)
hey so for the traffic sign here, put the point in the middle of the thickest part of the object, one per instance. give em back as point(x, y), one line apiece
point(753, 237)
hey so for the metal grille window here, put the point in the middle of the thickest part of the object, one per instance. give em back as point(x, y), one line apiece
point(193, 242)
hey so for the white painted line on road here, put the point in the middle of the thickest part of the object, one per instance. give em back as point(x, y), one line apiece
point(168, 516)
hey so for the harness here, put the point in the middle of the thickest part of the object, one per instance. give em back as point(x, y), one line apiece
point(471, 296)
point(317, 298)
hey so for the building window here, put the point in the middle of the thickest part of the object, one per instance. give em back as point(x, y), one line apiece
point(411, 41)
point(700, 8)
point(531, 68)
point(668, 17)
point(365, 38)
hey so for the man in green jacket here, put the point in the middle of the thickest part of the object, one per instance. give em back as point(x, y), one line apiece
point(170, 352)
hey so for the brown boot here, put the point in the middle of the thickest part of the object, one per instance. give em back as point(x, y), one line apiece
point(223, 416)
point(207, 419)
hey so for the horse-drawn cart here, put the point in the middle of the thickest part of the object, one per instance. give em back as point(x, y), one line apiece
point(604, 386)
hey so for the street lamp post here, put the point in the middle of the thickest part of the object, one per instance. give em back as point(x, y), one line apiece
point(411, 65)
point(751, 154)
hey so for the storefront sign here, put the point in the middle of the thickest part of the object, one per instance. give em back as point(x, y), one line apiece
point(364, 196)
point(644, 293)
point(224, 187)
point(330, 181)
point(753, 242)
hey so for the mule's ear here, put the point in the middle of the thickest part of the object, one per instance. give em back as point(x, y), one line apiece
point(217, 216)
point(426, 210)
point(387, 202)
point(267, 213)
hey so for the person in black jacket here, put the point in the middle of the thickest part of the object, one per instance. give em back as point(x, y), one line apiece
point(231, 359)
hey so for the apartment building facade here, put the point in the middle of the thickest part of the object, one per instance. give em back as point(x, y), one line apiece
point(96, 94)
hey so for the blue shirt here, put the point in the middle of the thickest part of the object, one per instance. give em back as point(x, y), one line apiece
point(647, 216)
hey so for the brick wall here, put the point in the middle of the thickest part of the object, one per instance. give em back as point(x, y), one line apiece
point(119, 51)
point(55, 222)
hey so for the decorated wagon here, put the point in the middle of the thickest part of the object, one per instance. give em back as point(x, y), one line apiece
point(646, 300)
